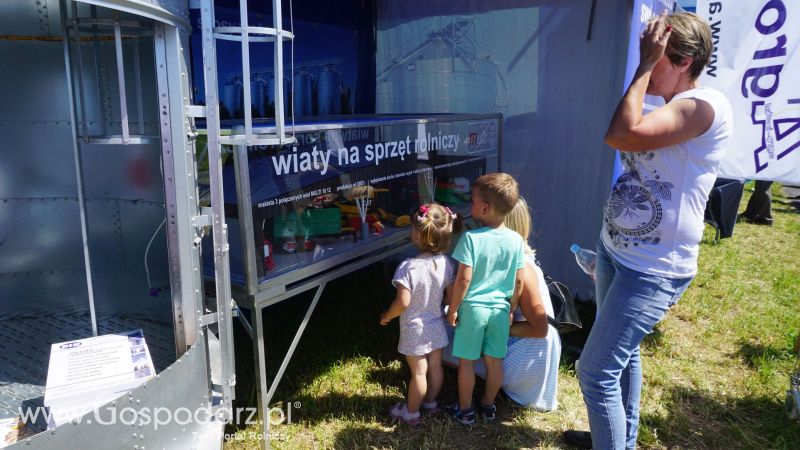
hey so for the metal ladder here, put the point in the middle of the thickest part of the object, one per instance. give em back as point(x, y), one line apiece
point(245, 136)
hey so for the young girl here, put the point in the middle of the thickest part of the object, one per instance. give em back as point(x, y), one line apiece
point(421, 283)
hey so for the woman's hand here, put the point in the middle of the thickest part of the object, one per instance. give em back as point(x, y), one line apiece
point(384, 320)
point(653, 42)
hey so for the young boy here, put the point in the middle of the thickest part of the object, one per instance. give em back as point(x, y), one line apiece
point(486, 289)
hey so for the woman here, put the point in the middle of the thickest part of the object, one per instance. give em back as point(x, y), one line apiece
point(653, 220)
point(530, 368)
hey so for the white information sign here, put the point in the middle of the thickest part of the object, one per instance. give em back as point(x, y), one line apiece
point(87, 373)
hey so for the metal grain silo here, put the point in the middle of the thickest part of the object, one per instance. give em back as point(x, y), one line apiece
point(301, 95)
point(232, 96)
point(329, 100)
point(258, 93)
point(441, 80)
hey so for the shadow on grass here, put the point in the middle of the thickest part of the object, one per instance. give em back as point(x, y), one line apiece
point(343, 326)
point(441, 432)
point(754, 355)
point(654, 339)
point(694, 419)
point(794, 210)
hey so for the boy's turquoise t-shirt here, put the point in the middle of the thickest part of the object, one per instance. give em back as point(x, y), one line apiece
point(495, 255)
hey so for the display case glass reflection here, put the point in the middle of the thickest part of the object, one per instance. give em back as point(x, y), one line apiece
point(335, 190)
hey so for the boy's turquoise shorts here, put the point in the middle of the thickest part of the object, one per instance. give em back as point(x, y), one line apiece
point(481, 330)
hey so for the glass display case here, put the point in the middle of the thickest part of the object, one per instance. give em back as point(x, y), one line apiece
point(346, 188)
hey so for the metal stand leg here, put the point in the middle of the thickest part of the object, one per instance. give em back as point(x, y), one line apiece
point(263, 400)
point(261, 375)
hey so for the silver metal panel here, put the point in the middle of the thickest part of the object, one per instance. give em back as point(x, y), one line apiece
point(140, 226)
point(31, 293)
point(123, 172)
point(29, 18)
point(41, 95)
point(182, 386)
point(118, 240)
point(39, 234)
point(42, 258)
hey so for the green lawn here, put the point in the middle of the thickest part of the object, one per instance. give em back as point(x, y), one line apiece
point(716, 369)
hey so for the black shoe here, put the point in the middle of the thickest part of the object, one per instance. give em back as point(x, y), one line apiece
point(580, 439)
point(757, 220)
point(489, 413)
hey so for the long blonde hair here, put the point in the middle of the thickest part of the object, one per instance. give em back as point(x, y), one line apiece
point(519, 220)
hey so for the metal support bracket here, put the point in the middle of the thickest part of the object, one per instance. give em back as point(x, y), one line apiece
point(195, 110)
point(208, 319)
point(201, 221)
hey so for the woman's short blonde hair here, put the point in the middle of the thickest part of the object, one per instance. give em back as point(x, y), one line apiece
point(519, 220)
point(690, 38)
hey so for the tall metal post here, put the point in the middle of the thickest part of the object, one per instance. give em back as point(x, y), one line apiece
point(219, 227)
point(76, 151)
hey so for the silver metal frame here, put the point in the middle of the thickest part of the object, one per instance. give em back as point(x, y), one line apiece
point(150, 9)
point(245, 34)
point(180, 175)
point(218, 225)
point(265, 391)
point(363, 120)
point(112, 27)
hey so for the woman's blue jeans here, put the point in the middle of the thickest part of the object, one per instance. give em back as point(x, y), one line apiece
point(629, 305)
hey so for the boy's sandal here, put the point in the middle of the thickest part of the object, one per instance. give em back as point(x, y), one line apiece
point(463, 416)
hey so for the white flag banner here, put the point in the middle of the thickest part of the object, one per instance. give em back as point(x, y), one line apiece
point(756, 64)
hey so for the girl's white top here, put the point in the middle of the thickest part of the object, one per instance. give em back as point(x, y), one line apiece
point(422, 325)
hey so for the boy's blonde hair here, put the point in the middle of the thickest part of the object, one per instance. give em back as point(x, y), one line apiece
point(519, 220)
point(434, 223)
point(499, 190)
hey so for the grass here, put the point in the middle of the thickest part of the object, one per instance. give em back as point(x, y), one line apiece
point(716, 369)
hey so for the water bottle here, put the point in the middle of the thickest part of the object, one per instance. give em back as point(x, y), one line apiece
point(586, 259)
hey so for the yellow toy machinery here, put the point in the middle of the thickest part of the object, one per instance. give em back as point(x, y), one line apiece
point(375, 215)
